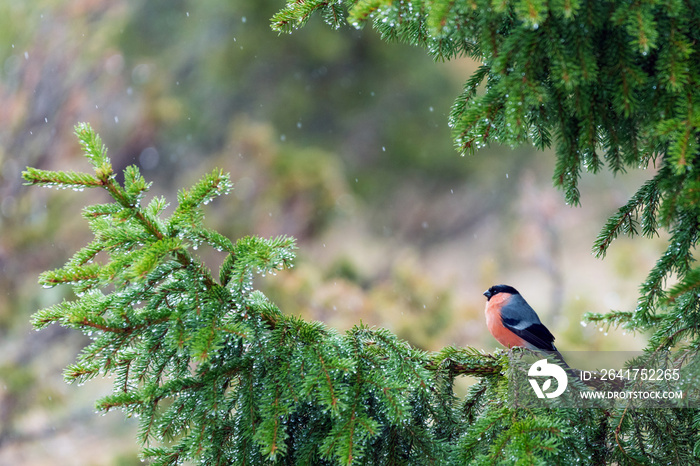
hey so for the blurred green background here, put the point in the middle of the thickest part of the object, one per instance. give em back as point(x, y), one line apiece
point(334, 137)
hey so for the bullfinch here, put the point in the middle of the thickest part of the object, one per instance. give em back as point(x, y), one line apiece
point(513, 322)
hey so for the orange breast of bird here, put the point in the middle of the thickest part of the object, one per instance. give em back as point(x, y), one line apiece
point(495, 323)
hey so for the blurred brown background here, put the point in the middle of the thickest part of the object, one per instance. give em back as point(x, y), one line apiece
point(334, 137)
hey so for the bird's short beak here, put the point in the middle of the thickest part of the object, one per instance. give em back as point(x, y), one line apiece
point(487, 293)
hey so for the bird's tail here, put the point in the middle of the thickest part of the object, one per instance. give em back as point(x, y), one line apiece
point(559, 359)
point(556, 355)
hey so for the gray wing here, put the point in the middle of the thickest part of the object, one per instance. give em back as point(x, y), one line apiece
point(521, 319)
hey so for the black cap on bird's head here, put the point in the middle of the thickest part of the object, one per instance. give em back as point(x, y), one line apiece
point(495, 289)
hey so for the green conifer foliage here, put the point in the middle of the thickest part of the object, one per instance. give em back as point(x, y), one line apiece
point(606, 83)
point(611, 83)
point(212, 369)
point(217, 374)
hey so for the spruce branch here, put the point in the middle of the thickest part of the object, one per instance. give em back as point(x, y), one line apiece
point(297, 13)
point(689, 285)
point(219, 375)
point(607, 83)
point(585, 75)
point(77, 181)
point(197, 359)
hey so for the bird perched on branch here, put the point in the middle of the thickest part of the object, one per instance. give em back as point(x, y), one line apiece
point(513, 322)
